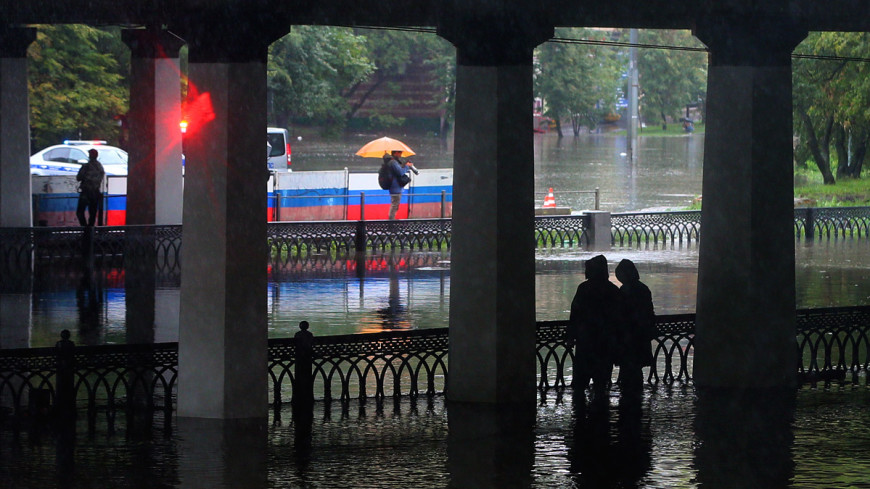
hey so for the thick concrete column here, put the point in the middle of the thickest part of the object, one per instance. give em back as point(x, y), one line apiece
point(155, 183)
point(15, 206)
point(745, 332)
point(223, 330)
point(492, 299)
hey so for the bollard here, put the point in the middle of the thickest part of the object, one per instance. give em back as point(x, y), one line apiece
point(303, 390)
point(598, 231)
point(597, 199)
point(65, 401)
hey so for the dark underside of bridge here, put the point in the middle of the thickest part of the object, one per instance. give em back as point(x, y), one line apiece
point(843, 15)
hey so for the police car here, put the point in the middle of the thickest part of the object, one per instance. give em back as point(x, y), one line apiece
point(67, 158)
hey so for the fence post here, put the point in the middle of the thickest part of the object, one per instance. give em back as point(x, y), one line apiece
point(65, 380)
point(360, 238)
point(810, 224)
point(597, 199)
point(443, 204)
point(88, 247)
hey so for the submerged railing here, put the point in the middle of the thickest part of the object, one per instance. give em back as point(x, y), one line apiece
point(833, 344)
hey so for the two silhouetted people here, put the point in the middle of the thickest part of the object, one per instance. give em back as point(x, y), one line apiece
point(610, 325)
point(596, 316)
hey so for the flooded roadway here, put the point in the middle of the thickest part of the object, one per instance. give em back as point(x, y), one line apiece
point(412, 291)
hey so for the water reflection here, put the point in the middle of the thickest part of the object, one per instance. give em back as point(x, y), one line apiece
point(608, 449)
point(409, 290)
point(88, 299)
point(811, 439)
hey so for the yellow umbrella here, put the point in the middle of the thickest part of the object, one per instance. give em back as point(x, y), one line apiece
point(379, 147)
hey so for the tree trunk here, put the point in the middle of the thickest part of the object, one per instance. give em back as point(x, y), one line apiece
point(842, 148)
point(816, 149)
point(858, 157)
point(559, 126)
point(575, 124)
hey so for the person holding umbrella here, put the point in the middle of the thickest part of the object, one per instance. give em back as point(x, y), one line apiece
point(399, 172)
point(392, 151)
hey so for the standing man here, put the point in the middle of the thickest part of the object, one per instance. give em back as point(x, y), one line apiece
point(399, 171)
point(90, 178)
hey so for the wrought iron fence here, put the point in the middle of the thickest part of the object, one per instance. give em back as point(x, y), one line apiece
point(634, 228)
point(832, 344)
point(561, 231)
point(22, 248)
point(832, 222)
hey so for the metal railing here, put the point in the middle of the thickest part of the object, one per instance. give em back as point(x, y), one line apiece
point(832, 344)
point(21, 248)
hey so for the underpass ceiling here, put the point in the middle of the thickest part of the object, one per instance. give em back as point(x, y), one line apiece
point(811, 14)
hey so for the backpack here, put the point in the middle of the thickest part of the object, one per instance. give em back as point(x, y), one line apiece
point(91, 179)
point(384, 177)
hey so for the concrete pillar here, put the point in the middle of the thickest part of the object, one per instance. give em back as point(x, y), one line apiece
point(745, 332)
point(223, 453)
point(15, 207)
point(223, 329)
point(155, 181)
point(492, 300)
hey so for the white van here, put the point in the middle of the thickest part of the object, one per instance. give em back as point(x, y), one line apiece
point(279, 153)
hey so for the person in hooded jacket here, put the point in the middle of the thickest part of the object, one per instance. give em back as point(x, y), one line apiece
point(594, 325)
point(634, 351)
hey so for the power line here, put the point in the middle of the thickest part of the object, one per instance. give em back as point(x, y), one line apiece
point(620, 44)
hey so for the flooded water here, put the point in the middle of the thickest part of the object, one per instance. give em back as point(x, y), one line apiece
point(669, 439)
point(412, 292)
point(665, 175)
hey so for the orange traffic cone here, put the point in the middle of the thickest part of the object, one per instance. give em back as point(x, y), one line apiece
point(549, 200)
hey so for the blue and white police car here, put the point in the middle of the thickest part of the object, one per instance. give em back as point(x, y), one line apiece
point(67, 158)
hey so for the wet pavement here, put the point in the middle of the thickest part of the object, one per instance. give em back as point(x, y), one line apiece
point(672, 437)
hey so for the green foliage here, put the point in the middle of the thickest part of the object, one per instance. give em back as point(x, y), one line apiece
point(310, 68)
point(76, 84)
point(577, 81)
point(393, 52)
point(832, 103)
point(846, 193)
point(669, 79)
point(315, 72)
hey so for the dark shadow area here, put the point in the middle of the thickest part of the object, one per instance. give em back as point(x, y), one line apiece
point(744, 437)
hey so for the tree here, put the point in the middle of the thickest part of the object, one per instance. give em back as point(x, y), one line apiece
point(578, 81)
point(76, 88)
point(310, 69)
point(393, 52)
point(670, 79)
point(831, 103)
